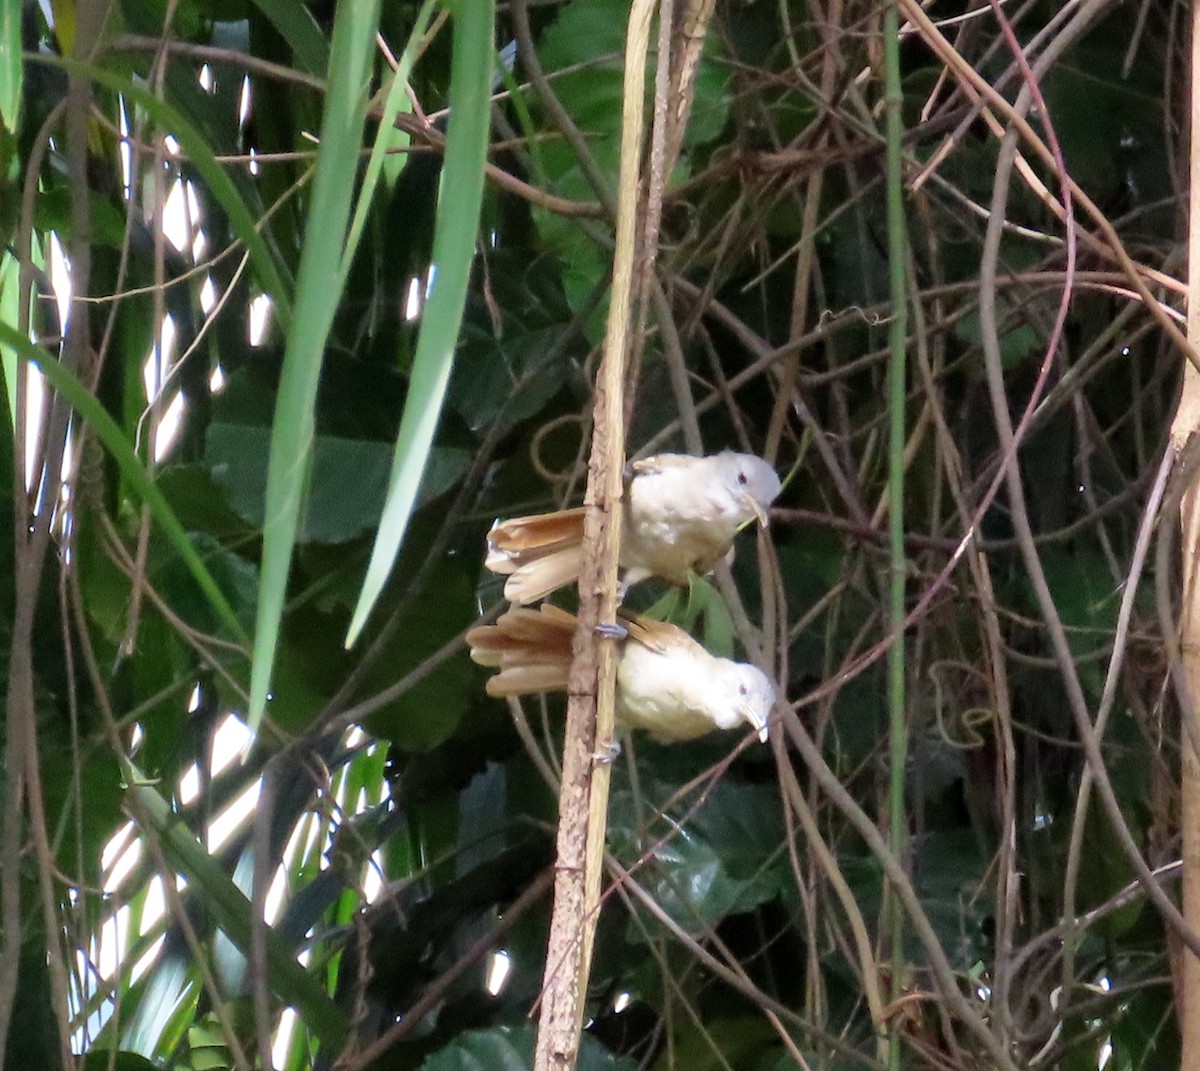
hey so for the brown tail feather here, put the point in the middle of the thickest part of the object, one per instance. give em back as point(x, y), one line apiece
point(528, 680)
point(536, 579)
point(520, 540)
point(531, 648)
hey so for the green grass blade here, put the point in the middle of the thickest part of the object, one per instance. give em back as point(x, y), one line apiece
point(300, 30)
point(10, 66)
point(453, 251)
point(10, 311)
point(231, 911)
point(114, 439)
point(387, 137)
point(318, 289)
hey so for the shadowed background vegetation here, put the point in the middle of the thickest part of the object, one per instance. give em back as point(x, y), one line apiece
point(268, 426)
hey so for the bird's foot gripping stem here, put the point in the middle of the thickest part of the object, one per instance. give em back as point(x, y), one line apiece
point(606, 754)
point(611, 630)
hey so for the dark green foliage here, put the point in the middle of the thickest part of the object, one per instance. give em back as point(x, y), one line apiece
point(417, 837)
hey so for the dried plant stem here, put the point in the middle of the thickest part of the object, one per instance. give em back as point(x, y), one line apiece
point(583, 797)
point(1185, 425)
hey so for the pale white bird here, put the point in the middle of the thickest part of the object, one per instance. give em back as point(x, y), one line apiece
point(681, 515)
point(667, 683)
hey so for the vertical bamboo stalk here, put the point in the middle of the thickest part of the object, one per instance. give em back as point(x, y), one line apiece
point(583, 796)
point(897, 343)
point(1186, 424)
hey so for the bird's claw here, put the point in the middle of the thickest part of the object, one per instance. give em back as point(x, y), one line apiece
point(606, 754)
point(611, 630)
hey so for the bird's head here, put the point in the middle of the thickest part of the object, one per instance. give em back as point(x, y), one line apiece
point(749, 697)
point(751, 481)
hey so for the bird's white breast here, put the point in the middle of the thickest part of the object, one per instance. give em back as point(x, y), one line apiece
point(676, 694)
point(680, 518)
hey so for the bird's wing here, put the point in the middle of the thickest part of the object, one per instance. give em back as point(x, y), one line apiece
point(518, 540)
point(660, 462)
point(659, 636)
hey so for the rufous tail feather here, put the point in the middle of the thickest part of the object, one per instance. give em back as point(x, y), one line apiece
point(519, 540)
point(531, 648)
point(538, 578)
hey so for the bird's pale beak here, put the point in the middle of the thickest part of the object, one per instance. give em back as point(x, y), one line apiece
point(756, 508)
point(752, 716)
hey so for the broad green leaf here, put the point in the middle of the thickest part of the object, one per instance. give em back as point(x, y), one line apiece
point(1087, 600)
point(722, 861)
point(453, 251)
point(727, 1042)
point(430, 711)
point(1017, 342)
point(346, 489)
point(704, 604)
point(526, 356)
point(949, 877)
point(503, 1049)
point(1142, 1036)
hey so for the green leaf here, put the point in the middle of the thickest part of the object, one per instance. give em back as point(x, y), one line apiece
point(318, 289)
point(113, 438)
point(297, 27)
point(100, 1060)
point(504, 1049)
point(453, 251)
point(430, 711)
point(521, 358)
point(11, 67)
point(949, 870)
point(720, 862)
point(1017, 341)
point(170, 984)
point(724, 1043)
point(232, 913)
point(1088, 601)
point(10, 275)
point(704, 603)
point(346, 489)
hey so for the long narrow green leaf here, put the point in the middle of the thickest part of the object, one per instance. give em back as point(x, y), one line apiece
point(10, 311)
point(114, 439)
point(453, 251)
point(387, 137)
point(299, 29)
point(318, 288)
point(232, 913)
point(269, 271)
point(11, 71)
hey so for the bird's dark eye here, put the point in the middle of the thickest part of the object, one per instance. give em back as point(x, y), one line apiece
point(743, 478)
point(743, 690)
